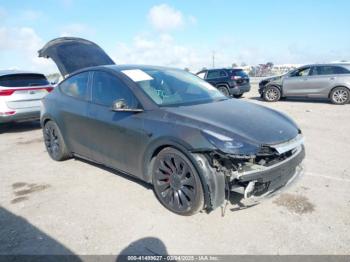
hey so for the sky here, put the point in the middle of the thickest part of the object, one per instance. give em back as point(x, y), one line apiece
point(179, 33)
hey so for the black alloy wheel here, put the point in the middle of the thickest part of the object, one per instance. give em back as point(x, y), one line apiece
point(176, 183)
point(54, 143)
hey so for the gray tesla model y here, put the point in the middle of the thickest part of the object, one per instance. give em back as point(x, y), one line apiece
point(166, 127)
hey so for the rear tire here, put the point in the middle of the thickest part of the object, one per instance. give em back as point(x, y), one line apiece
point(271, 94)
point(224, 90)
point(176, 183)
point(54, 142)
point(340, 96)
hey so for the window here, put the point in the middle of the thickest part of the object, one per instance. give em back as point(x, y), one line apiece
point(23, 80)
point(329, 70)
point(201, 75)
point(240, 73)
point(76, 86)
point(301, 72)
point(213, 74)
point(340, 70)
point(107, 88)
point(223, 73)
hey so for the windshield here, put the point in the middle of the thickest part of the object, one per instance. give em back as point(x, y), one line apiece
point(168, 87)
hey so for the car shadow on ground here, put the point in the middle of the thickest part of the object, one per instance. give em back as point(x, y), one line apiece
point(19, 127)
point(19, 237)
point(295, 99)
point(116, 172)
point(148, 246)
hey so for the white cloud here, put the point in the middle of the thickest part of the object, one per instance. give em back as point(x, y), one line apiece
point(22, 44)
point(160, 50)
point(77, 29)
point(165, 18)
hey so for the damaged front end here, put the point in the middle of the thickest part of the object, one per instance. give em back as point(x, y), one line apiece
point(270, 169)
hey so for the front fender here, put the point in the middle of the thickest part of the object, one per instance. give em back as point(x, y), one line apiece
point(213, 182)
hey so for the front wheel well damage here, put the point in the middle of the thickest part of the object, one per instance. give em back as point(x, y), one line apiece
point(198, 163)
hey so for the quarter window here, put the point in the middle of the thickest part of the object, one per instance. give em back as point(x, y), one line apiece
point(76, 86)
point(330, 70)
point(107, 88)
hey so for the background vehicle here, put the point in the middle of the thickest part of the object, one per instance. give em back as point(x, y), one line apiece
point(166, 127)
point(20, 95)
point(319, 81)
point(231, 82)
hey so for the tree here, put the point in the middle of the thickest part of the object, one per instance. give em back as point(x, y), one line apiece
point(234, 65)
point(243, 64)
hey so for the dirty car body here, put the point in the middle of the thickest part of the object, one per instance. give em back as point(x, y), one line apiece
point(232, 145)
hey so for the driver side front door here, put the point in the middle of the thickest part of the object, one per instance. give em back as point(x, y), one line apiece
point(298, 83)
point(117, 139)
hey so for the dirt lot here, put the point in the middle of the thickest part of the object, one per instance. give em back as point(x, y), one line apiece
point(76, 207)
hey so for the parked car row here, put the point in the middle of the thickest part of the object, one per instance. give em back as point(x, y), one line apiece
point(21, 92)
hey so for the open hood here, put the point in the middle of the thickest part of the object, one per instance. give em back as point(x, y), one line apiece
point(71, 54)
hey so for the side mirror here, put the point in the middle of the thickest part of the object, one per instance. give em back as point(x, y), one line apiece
point(120, 105)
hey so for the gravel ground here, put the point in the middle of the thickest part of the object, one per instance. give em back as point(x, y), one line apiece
point(75, 207)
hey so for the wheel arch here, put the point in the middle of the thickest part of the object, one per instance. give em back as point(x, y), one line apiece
point(336, 86)
point(45, 118)
point(154, 149)
point(274, 85)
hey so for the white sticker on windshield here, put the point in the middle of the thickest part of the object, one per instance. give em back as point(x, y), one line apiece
point(137, 75)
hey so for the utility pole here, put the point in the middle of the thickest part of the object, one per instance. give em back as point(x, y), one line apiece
point(213, 59)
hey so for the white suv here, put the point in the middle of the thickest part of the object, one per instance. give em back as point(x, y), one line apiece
point(20, 95)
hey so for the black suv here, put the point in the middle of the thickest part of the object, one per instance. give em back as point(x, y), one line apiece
point(231, 82)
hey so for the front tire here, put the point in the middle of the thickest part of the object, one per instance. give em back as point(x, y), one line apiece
point(176, 183)
point(54, 142)
point(340, 96)
point(271, 94)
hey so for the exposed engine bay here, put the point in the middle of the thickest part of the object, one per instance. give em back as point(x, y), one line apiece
point(257, 175)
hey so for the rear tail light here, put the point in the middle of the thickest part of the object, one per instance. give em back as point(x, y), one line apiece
point(235, 77)
point(8, 113)
point(8, 92)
